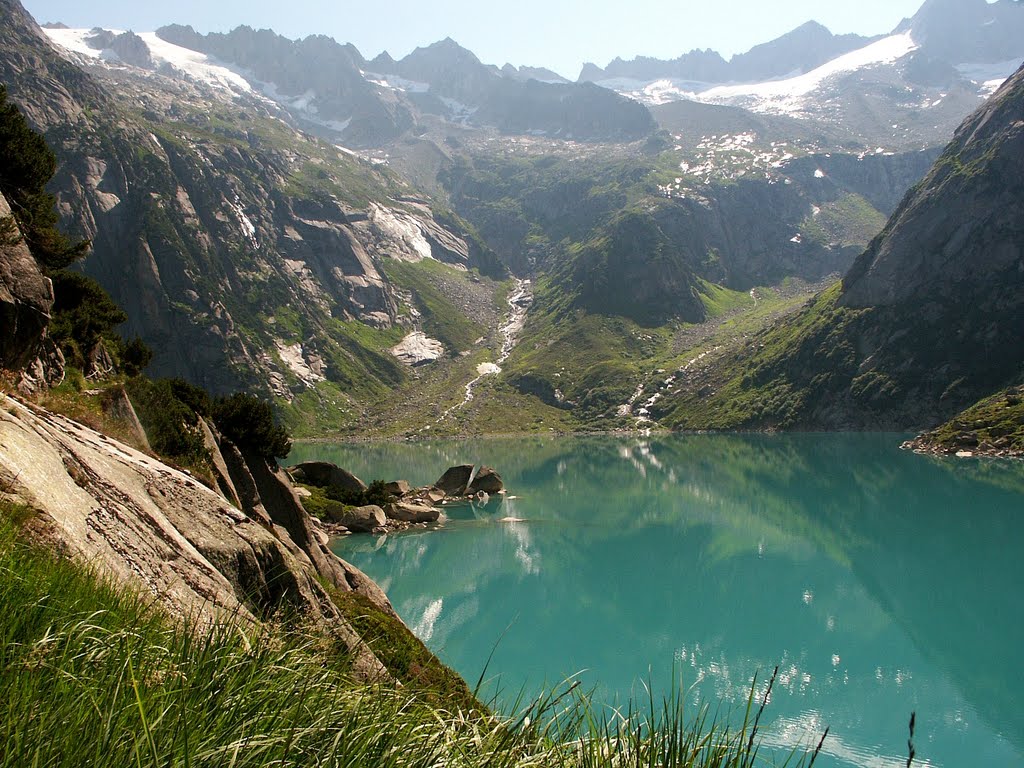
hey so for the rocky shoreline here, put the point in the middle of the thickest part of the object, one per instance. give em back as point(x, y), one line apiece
point(927, 446)
point(341, 503)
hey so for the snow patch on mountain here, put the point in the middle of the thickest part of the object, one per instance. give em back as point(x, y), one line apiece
point(989, 77)
point(303, 106)
point(196, 66)
point(417, 348)
point(785, 96)
point(395, 83)
point(73, 40)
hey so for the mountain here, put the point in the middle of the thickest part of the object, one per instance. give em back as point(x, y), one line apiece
point(962, 31)
point(909, 88)
point(532, 73)
point(317, 80)
point(512, 102)
point(366, 284)
point(246, 254)
point(801, 50)
point(330, 88)
point(929, 319)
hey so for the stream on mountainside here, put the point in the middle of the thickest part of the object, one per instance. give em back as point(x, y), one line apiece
point(519, 301)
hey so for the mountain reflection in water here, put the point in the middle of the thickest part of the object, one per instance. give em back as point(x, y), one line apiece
point(879, 581)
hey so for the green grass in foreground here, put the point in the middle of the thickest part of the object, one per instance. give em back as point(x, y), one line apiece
point(90, 675)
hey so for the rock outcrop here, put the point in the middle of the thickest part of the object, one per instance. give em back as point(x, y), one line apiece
point(455, 481)
point(365, 519)
point(324, 474)
point(411, 512)
point(142, 522)
point(486, 480)
point(26, 297)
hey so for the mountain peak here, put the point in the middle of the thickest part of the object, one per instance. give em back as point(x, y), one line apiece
point(962, 31)
point(811, 26)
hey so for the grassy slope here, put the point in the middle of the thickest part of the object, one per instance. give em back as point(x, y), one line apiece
point(596, 362)
point(769, 382)
point(94, 675)
point(994, 425)
point(442, 318)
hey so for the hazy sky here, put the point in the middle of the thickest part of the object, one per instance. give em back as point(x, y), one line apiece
point(560, 34)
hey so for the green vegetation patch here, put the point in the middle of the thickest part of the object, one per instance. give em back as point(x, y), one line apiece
point(772, 381)
point(94, 675)
point(404, 655)
point(996, 424)
point(719, 301)
point(443, 319)
point(850, 221)
point(589, 363)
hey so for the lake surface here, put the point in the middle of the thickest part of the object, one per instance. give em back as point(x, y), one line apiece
point(880, 582)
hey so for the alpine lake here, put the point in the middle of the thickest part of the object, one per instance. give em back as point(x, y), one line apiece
point(878, 581)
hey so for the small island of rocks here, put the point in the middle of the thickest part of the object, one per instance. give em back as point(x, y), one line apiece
point(343, 504)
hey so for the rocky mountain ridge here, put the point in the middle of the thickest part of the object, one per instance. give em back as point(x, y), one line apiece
point(367, 103)
point(801, 50)
point(908, 88)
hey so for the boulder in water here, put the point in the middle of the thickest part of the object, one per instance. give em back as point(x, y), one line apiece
point(323, 474)
point(455, 481)
point(486, 480)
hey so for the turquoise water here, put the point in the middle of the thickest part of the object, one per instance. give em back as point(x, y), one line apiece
point(880, 582)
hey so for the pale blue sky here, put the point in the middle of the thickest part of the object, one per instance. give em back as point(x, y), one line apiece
point(560, 34)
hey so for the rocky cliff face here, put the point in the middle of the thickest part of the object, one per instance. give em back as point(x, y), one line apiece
point(143, 523)
point(26, 297)
point(236, 244)
point(968, 30)
point(317, 77)
point(959, 235)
